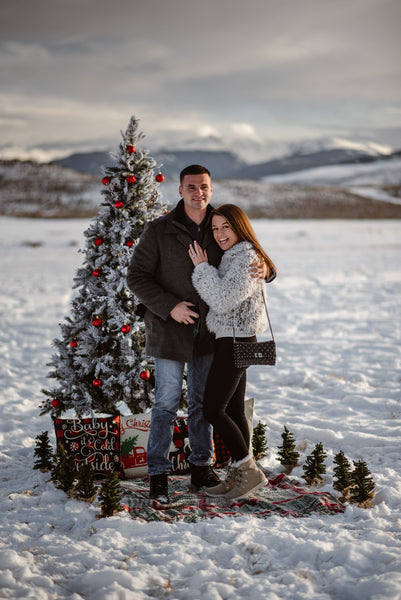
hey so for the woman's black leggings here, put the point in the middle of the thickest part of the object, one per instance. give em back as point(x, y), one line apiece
point(223, 401)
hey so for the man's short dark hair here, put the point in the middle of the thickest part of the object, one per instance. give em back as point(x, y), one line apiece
point(194, 170)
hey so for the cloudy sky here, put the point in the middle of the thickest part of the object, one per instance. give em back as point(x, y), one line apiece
point(72, 72)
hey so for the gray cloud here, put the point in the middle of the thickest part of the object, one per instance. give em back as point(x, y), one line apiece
point(75, 69)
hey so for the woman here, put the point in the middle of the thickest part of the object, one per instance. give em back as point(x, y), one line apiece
point(235, 302)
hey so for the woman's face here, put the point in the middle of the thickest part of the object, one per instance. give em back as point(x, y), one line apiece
point(223, 234)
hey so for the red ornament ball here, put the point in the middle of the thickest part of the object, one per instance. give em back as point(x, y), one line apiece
point(130, 243)
point(144, 375)
point(106, 180)
point(131, 179)
point(97, 383)
point(119, 204)
point(160, 177)
point(97, 321)
point(96, 273)
point(74, 343)
point(130, 149)
point(126, 328)
point(98, 241)
point(56, 403)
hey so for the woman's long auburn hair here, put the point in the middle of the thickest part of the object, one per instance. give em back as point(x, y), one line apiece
point(240, 224)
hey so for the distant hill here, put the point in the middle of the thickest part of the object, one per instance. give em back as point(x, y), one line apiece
point(226, 164)
point(222, 164)
point(30, 189)
point(85, 162)
point(300, 162)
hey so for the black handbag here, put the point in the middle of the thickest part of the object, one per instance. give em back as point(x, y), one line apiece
point(255, 353)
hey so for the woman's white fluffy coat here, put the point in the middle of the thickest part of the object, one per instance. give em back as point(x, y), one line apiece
point(233, 296)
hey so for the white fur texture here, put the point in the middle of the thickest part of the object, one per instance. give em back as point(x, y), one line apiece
point(233, 296)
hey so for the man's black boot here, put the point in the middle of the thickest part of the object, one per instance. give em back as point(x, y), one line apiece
point(159, 488)
point(203, 476)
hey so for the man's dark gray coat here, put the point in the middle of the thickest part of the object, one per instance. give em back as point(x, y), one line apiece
point(159, 275)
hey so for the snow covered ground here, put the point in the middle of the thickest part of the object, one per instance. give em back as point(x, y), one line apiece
point(370, 180)
point(336, 312)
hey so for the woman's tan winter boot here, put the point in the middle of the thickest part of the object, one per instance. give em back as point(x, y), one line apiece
point(226, 485)
point(249, 479)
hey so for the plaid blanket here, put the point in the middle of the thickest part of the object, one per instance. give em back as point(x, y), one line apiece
point(281, 496)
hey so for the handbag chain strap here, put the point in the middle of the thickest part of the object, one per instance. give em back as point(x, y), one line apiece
point(268, 318)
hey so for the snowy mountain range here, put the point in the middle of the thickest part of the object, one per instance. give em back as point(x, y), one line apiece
point(321, 179)
point(229, 164)
point(236, 158)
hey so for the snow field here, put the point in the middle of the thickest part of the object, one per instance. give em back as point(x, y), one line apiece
point(335, 310)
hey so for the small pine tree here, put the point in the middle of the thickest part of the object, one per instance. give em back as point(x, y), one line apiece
point(64, 470)
point(85, 488)
point(315, 466)
point(110, 495)
point(259, 445)
point(288, 455)
point(342, 472)
point(100, 356)
point(363, 486)
point(43, 452)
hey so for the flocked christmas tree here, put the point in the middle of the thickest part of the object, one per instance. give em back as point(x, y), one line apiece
point(288, 455)
point(100, 363)
point(315, 467)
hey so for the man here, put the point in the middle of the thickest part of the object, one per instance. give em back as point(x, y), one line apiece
point(176, 335)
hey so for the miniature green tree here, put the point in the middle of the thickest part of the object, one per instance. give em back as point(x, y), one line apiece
point(259, 445)
point(64, 470)
point(363, 486)
point(43, 452)
point(288, 455)
point(315, 466)
point(342, 472)
point(85, 488)
point(128, 445)
point(110, 495)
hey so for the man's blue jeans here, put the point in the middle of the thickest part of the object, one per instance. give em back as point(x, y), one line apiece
point(169, 380)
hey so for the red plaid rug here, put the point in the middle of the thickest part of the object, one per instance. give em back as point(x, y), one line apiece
point(281, 496)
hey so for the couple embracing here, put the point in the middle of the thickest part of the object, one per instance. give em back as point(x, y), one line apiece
point(200, 272)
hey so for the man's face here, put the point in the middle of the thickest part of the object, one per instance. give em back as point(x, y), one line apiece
point(196, 191)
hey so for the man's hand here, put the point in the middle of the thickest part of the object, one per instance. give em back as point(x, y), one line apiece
point(183, 314)
point(259, 270)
